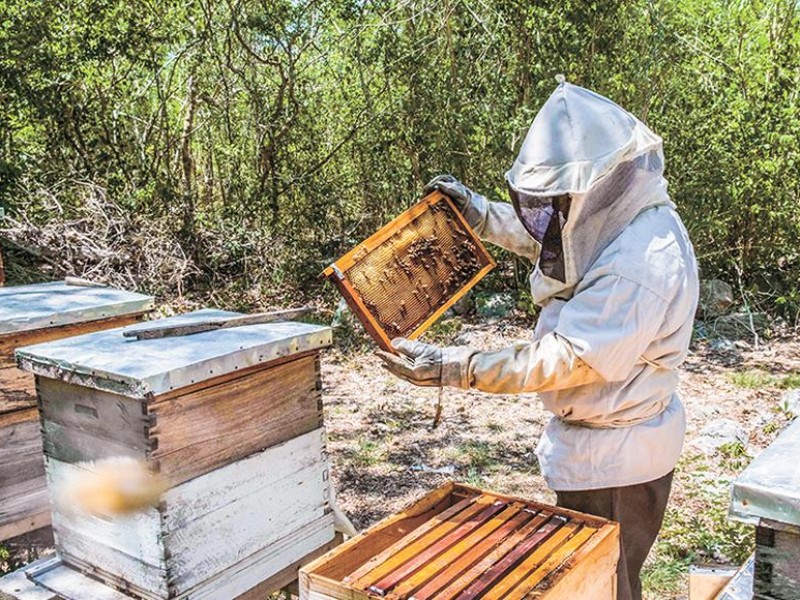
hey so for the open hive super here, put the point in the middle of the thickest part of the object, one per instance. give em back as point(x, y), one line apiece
point(460, 542)
point(400, 280)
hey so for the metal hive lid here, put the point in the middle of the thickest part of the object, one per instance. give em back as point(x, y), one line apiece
point(108, 361)
point(42, 305)
point(770, 487)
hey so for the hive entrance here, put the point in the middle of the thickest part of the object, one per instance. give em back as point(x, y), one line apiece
point(400, 280)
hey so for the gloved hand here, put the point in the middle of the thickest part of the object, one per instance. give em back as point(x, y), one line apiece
point(469, 204)
point(426, 365)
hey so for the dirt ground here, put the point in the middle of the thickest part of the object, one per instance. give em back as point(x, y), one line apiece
point(385, 454)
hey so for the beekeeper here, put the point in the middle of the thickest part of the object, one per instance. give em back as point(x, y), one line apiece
point(616, 277)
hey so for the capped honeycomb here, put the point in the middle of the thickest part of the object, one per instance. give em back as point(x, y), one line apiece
point(400, 280)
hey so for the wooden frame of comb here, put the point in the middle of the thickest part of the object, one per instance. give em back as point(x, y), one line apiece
point(401, 279)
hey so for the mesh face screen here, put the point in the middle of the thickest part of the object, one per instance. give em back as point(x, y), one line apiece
point(424, 260)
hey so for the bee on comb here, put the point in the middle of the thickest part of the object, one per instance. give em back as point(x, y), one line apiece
point(403, 278)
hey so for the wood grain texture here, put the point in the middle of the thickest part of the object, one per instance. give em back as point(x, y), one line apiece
point(247, 505)
point(777, 562)
point(424, 557)
point(109, 564)
point(407, 540)
point(505, 567)
point(255, 515)
point(17, 388)
point(474, 572)
point(407, 552)
point(286, 578)
point(19, 416)
point(465, 547)
point(67, 579)
point(356, 551)
point(548, 568)
point(99, 414)
point(526, 548)
point(246, 576)
point(460, 567)
point(12, 529)
point(208, 428)
point(185, 435)
point(70, 445)
point(24, 504)
point(137, 535)
point(588, 573)
point(21, 456)
point(11, 341)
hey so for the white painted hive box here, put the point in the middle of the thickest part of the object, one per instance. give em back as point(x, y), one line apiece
point(232, 418)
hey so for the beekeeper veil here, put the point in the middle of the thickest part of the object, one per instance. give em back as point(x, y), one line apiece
point(586, 169)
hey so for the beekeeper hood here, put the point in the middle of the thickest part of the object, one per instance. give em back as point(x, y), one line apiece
point(586, 169)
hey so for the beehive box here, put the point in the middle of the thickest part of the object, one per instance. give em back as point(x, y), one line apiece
point(231, 418)
point(30, 314)
point(404, 277)
point(767, 495)
point(461, 542)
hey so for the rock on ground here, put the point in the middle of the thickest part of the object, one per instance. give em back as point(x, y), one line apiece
point(716, 297)
point(719, 433)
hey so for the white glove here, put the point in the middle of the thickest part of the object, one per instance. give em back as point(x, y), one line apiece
point(546, 365)
point(468, 203)
point(426, 365)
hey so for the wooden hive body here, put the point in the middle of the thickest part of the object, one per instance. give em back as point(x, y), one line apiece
point(777, 562)
point(33, 314)
point(405, 276)
point(231, 418)
point(460, 542)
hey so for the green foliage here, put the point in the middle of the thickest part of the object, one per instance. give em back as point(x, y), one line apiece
point(444, 331)
point(478, 455)
point(752, 379)
point(367, 454)
point(757, 379)
point(663, 577)
point(735, 456)
point(270, 136)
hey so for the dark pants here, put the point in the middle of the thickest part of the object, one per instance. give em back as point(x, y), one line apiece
point(639, 509)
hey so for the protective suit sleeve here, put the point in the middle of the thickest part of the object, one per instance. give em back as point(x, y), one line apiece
point(611, 322)
point(548, 364)
point(498, 224)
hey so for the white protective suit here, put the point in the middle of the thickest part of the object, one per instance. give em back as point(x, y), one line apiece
point(611, 335)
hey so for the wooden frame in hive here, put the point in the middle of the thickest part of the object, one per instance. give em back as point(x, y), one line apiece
point(400, 280)
point(461, 542)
